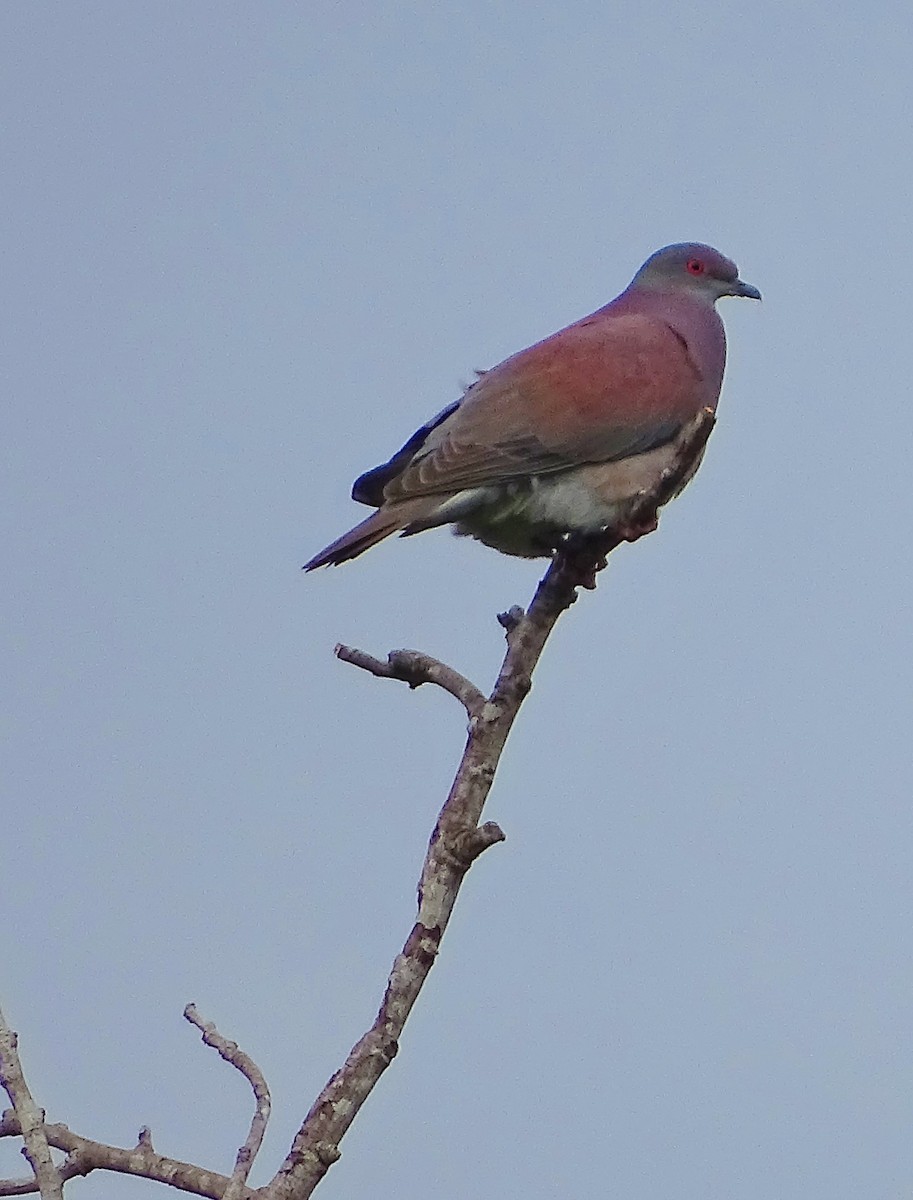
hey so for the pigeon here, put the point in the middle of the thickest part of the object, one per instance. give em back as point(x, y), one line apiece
point(561, 439)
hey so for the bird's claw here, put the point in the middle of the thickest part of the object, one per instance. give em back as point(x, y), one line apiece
point(633, 530)
point(581, 562)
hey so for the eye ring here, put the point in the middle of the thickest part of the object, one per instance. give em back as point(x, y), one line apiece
point(694, 266)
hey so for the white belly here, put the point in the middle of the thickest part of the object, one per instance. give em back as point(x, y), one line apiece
point(528, 517)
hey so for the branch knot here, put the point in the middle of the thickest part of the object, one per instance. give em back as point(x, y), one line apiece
point(466, 845)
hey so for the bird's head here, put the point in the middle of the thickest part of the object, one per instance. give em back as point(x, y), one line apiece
point(695, 269)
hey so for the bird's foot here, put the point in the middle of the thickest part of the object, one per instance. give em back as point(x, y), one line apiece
point(581, 561)
point(632, 530)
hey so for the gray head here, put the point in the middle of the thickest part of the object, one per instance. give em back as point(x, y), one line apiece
point(693, 268)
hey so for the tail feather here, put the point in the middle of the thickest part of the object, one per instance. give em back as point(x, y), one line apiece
point(409, 516)
point(365, 535)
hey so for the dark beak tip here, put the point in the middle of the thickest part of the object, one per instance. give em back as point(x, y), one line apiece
point(746, 290)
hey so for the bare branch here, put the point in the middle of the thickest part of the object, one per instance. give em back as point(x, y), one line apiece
point(84, 1155)
point(31, 1117)
point(458, 838)
point(415, 668)
point(242, 1062)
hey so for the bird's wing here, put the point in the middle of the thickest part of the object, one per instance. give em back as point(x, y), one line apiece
point(606, 388)
point(369, 487)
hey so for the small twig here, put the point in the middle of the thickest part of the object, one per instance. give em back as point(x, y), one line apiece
point(468, 845)
point(415, 668)
point(510, 619)
point(31, 1117)
point(235, 1057)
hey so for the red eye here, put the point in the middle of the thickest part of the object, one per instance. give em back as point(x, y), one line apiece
point(695, 266)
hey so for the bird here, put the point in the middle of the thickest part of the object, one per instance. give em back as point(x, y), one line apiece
point(561, 439)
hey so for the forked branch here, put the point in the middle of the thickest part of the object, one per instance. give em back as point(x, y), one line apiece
point(457, 840)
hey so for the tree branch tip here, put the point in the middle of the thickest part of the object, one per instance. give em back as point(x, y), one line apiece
point(414, 667)
point(511, 618)
point(493, 832)
point(144, 1138)
point(468, 844)
point(360, 658)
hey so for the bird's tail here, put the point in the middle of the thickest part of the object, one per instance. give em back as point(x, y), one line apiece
point(365, 535)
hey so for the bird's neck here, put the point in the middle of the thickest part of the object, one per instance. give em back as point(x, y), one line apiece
point(693, 318)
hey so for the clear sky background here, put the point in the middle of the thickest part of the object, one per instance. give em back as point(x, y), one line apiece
point(246, 250)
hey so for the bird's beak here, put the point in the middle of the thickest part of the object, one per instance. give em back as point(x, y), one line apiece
point(741, 288)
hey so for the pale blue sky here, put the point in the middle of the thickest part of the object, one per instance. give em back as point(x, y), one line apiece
point(247, 249)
